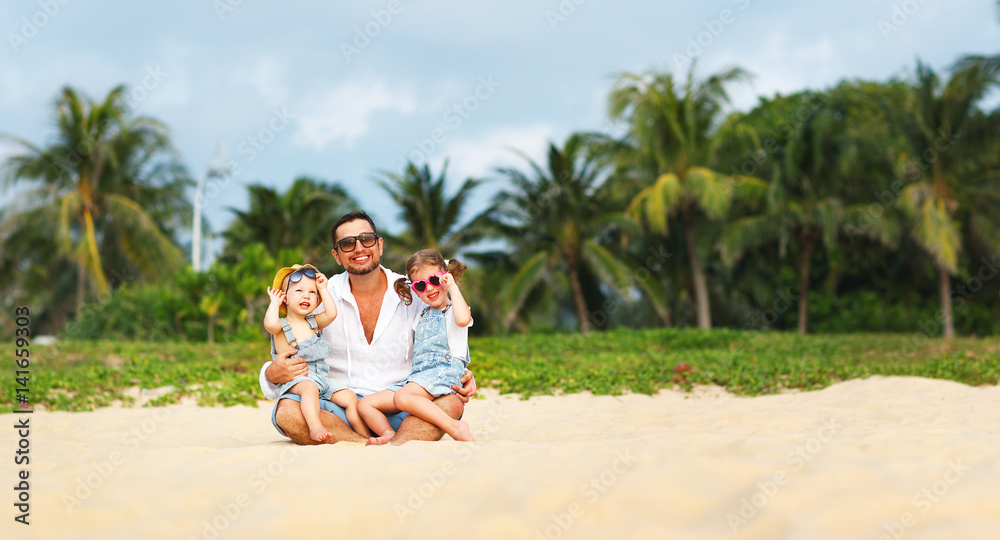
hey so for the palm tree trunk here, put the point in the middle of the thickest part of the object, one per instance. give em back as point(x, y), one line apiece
point(81, 285)
point(581, 304)
point(807, 249)
point(95, 258)
point(697, 274)
point(250, 311)
point(947, 323)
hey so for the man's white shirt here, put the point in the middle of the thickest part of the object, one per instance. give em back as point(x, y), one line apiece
point(365, 367)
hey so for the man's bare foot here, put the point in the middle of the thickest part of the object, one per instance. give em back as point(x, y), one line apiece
point(385, 438)
point(462, 431)
point(320, 434)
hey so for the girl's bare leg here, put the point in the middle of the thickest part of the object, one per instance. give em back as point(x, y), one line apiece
point(309, 393)
point(372, 409)
point(349, 401)
point(412, 398)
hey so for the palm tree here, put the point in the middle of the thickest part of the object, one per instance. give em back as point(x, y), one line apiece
point(299, 218)
point(947, 134)
point(554, 216)
point(812, 165)
point(674, 137)
point(111, 184)
point(431, 217)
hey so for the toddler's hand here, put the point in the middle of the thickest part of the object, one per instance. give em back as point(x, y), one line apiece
point(320, 279)
point(277, 295)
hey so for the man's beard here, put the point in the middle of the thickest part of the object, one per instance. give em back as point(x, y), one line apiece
point(373, 263)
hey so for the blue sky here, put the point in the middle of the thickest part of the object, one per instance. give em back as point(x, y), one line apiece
point(340, 92)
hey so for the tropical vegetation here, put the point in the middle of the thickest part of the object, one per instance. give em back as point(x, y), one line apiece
point(84, 375)
point(866, 206)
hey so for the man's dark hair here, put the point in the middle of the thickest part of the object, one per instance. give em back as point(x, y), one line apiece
point(347, 218)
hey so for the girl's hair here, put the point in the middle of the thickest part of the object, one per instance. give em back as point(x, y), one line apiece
point(420, 259)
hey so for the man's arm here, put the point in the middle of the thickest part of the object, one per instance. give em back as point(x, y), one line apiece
point(281, 370)
point(269, 389)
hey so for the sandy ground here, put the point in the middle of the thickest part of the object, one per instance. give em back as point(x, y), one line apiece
point(882, 458)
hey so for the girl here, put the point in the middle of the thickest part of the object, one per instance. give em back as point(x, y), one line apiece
point(298, 291)
point(440, 349)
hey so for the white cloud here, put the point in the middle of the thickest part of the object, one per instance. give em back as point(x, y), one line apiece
point(479, 157)
point(344, 112)
point(267, 77)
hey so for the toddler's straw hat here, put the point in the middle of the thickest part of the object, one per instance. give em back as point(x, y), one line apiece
point(279, 279)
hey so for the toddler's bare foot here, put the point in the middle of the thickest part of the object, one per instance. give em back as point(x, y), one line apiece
point(462, 431)
point(386, 437)
point(320, 434)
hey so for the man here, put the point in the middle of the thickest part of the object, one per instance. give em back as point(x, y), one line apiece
point(371, 340)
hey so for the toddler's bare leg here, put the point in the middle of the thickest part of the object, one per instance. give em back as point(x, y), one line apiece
point(372, 409)
point(413, 399)
point(349, 401)
point(309, 393)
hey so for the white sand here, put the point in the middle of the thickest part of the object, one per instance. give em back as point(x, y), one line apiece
point(879, 458)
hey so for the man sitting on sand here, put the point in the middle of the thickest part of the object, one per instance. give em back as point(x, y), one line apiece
point(371, 343)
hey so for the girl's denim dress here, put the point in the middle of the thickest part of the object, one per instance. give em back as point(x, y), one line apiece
point(434, 367)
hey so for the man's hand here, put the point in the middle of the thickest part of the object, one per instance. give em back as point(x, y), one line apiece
point(468, 388)
point(284, 369)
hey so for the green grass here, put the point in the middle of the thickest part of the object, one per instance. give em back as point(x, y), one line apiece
point(86, 375)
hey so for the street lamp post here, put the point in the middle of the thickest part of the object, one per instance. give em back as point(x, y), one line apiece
point(217, 168)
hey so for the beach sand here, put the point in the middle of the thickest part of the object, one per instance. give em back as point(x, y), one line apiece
point(889, 458)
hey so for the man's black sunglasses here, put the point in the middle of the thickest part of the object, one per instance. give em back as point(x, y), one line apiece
point(348, 243)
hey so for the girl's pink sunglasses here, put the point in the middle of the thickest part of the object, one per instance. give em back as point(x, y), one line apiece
point(421, 286)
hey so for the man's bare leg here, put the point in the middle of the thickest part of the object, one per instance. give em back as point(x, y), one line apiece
point(290, 420)
point(415, 429)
